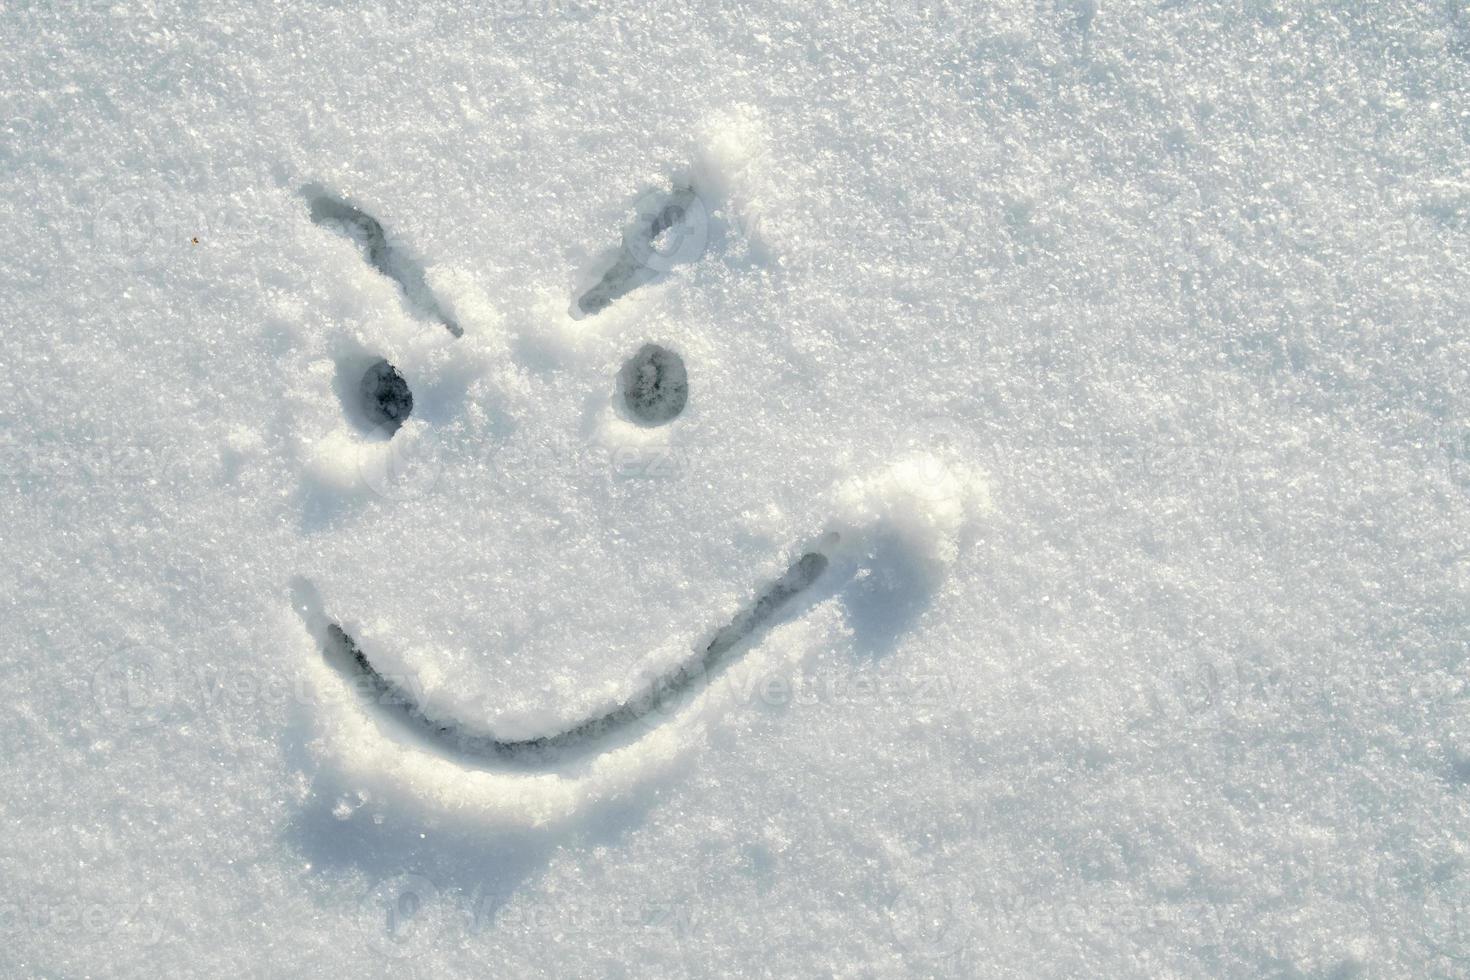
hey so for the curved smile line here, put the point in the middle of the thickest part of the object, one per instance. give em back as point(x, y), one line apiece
point(771, 605)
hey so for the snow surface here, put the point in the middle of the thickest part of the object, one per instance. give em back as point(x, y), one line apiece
point(1114, 353)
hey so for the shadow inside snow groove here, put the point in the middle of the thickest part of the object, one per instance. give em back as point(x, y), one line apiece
point(669, 230)
point(621, 725)
point(381, 252)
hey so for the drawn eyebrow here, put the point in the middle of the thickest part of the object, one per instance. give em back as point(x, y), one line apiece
point(392, 701)
point(637, 262)
point(381, 251)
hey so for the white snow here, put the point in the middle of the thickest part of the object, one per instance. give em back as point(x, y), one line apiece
point(1112, 355)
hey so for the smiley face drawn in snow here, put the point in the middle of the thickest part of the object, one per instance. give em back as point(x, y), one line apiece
point(535, 536)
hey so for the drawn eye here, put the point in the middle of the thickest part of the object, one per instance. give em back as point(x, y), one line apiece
point(386, 398)
point(654, 385)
